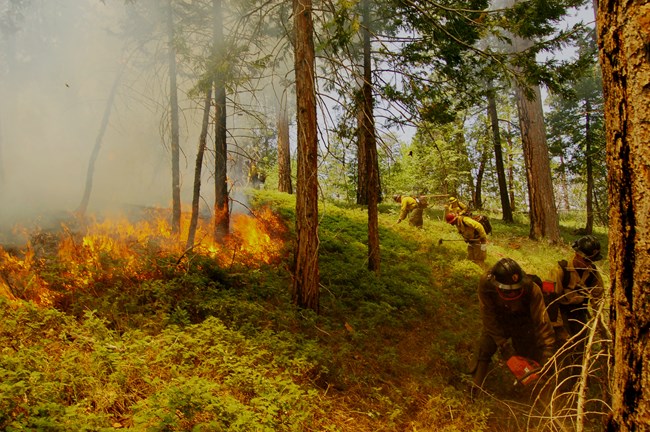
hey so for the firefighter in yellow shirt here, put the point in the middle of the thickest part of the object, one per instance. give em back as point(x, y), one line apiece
point(410, 206)
point(474, 235)
point(456, 207)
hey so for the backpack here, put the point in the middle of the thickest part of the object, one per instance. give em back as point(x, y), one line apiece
point(422, 201)
point(548, 293)
point(483, 220)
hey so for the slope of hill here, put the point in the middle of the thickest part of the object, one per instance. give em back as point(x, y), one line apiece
point(189, 342)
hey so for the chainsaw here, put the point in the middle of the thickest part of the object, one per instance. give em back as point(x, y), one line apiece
point(525, 370)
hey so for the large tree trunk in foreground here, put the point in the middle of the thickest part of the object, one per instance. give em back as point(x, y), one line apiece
point(306, 291)
point(624, 45)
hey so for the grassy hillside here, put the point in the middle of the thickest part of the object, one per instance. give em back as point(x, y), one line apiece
point(188, 343)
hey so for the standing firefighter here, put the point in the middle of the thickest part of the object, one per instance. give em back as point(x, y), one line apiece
point(514, 318)
point(413, 206)
point(577, 285)
point(474, 235)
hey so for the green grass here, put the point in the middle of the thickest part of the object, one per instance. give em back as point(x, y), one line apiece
point(198, 347)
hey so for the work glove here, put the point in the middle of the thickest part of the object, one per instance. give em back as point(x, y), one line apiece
point(399, 220)
point(483, 247)
point(506, 350)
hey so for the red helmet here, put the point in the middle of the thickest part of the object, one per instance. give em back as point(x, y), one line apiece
point(451, 218)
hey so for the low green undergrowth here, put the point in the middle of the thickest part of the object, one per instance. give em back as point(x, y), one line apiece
point(194, 346)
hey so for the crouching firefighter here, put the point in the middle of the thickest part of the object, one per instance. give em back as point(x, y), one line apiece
point(515, 323)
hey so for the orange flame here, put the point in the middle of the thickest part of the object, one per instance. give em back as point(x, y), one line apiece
point(117, 248)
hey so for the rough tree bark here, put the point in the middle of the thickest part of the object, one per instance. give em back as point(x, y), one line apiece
point(624, 49)
point(544, 221)
point(305, 289)
point(221, 204)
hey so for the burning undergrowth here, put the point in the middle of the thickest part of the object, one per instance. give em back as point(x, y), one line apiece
point(85, 256)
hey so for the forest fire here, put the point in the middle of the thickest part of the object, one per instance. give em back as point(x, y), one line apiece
point(119, 249)
point(257, 237)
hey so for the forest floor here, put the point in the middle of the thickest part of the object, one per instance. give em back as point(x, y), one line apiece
point(161, 338)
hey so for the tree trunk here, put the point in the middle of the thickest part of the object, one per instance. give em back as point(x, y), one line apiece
point(478, 195)
point(90, 173)
point(511, 171)
point(511, 182)
point(284, 152)
point(624, 42)
point(498, 157)
point(221, 204)
point(589, 227)
point(305, 290)
point(175, 139)
point(465, 164)
point(198, 167)
point(368, 132)
point(544, 221)
point(564, 184)
point(362, 153)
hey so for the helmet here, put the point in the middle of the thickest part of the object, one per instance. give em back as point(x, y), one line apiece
point(452, 199)
point(451, 218)
point(589, 247)
point(507, 275)
point(397, 197)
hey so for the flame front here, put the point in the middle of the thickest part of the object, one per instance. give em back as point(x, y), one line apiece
point(114, 249)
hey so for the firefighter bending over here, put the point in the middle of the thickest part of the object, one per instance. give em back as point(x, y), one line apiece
point(515, 321)
point(413, 206)
point(474, 235)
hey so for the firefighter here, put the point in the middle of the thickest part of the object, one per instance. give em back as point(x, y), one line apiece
point(412, 206)
point(457, 207)
point(474, 235)
point(514, 319)
point(578, 285)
